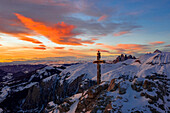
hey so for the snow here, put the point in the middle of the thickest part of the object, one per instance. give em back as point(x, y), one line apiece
point(20, 88)
point(50, 78)
point(1, 111)
point(52, 103)
point(4, 93)
point(158, 63)
point(8, 76)
point(132, 68)
point(150, 63)
point(74, 106)
point(137, 102)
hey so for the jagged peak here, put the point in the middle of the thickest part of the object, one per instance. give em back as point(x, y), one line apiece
point(123, 57)
point(157, 51)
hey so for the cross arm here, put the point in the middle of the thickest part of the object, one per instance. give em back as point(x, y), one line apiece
point(99, 61)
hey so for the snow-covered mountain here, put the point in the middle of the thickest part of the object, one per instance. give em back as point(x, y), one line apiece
point(134, 85)
point(145, 65)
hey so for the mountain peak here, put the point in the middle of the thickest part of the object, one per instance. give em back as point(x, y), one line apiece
point(123, 57)
point(157, 51)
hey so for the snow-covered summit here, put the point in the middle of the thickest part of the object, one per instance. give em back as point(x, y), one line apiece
point(145, 65)
point(132, 86)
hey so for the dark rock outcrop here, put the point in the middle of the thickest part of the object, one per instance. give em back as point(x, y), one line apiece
point(123, 57)
point(45, 86)
point(113, 97)
point(157, 51)
point(39, 95)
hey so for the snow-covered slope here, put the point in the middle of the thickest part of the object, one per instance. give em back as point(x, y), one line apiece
point(149, 64)
point(135, 85)
point(56, 83)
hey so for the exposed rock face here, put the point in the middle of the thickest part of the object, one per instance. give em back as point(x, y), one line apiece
point(113, 85)
point(52, 88)
point(40, 94)
point(125, 94)
point(123, 57)
point(157, 51)
point(90, 98)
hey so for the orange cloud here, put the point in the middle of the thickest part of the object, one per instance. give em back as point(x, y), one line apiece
point(167, 45)
point(94, 39)
point(87, 42)
point(124, 47)
point(0, 44)
point(61, 33)
point(41, 48)
point(131, 46)
point(59, 47)
point(106, 46)
point(102, 18)
point(42, 45)
point(101, 50)
point(157, 43)
point(30, 40)
point(70, 49)
point(121, 33)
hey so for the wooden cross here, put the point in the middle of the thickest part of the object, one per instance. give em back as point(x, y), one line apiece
point(98, 61)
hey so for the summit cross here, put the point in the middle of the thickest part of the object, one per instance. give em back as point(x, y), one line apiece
point(98, 62)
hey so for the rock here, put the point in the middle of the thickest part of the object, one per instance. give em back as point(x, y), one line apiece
point(50, 107)
point(138, 61)
point(157, 51)
point(122, 87)
point(148, 85)
point(161, 106)
point(145, 84)
point(108, 108)
point(123, 57)
point(122, 90)
point(130, 57)
point(118, 97)
point(112, 86)
point(142, 94)
point(150, 101)
point(139, 81)
point(89, 100)
point(64, 107)
point(152, 97)
point(92, 92)
point(137, 84)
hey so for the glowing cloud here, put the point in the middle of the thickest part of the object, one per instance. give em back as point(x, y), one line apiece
point(42, 45)
point(167, 45)
point(61, 33)
point(94, 39)
point(124, 47)
point(102, 18)
point(120, 33)
point(157, 43)
point(30, 40)
point(101, 50)
point(59, 47)
point(41, 48)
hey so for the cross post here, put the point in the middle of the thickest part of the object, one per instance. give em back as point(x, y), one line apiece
point(98, 62)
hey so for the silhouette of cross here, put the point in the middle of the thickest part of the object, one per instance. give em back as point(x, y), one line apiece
point(98, 62)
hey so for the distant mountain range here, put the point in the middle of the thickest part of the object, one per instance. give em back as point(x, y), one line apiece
point(129, 85)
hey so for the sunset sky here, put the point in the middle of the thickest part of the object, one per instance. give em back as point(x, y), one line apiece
point(36, 29)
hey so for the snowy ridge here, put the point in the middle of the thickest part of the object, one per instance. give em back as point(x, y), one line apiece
point(67, 87)
point(150, 63)
point(143, 81)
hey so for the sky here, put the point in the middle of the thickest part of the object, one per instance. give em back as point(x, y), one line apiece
point(46, 29)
